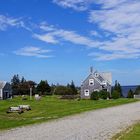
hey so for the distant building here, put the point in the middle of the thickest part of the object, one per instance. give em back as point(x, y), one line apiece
point(5, 90)
point(96, 82)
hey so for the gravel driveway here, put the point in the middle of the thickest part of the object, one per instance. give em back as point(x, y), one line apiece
point(99, 124)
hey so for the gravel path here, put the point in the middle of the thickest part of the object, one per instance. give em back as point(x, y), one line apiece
point(94, 125)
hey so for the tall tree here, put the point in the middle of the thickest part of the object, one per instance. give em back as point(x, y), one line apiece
point(137, 91)
point(117, 87)
point(43, 87)
point(15, 82)
point(73, 88)
point(130, 94)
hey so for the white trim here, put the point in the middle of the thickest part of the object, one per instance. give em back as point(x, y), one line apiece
point(1, 93)
point(96, 74)
point(91, 82)
point(86, 92)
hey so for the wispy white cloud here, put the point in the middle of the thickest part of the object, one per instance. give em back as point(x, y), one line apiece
point(123, 22)
point(7, 21)
point(118, 20)
point(33, 51)
point(78, 5)
point(58, 35)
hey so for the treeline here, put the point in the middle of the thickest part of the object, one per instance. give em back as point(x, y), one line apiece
point(21, 86)
point(131, 93)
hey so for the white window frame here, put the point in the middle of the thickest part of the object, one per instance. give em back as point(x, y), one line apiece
point(96, 74)
point(96, 90)
point(91, 82)
point(86, 92)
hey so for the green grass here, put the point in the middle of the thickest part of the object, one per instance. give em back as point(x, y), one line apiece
point(48, 108)
point(131, 133)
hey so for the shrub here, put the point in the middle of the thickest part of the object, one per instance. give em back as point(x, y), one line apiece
point(103, 94)
point(62, 90)
point(130, 94)
point(137, 92)
point(70, 97)
point(94, 95)
point(115, 94)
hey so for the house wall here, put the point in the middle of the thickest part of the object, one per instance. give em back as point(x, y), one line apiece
point(1, 94)
point(91, 88)
point(97, 86)
point(7, 91)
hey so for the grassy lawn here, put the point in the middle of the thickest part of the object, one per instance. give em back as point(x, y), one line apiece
point(48, 108)
point(131, 133)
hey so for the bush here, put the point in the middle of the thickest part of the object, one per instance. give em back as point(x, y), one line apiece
point(130, 94)
point(137, 92)
point(48, 93)
point(94, 95)
point(70, 97)
point(115, 94)
point(62, 90)
point(103, 94)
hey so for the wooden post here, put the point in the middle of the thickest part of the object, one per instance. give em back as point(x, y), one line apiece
point(30, 93)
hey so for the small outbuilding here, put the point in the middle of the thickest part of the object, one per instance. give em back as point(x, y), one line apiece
point(5, 90)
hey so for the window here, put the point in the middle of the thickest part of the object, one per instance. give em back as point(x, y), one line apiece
point(86, 92)
point(96, 74)
point(91, 82)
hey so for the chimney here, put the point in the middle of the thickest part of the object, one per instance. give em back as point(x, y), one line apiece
point(91, 70)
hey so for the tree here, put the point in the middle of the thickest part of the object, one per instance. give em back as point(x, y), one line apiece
point(118, 88)
point(73, 88)
point(94, 95)
point(23, 80)
point(63, 90)
point(137, 91)
point(103, 94)
point(115, 94)
point(15, 83)
point(130, 94)
point(43, 87)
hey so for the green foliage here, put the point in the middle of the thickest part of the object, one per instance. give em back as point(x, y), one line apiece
point(94, 95)
point(73, 88)
point(103, 94)
point(118, 88)
point(63, 90)
point(15, 81)
point(21, 87)
point(115, 94)
point(130, 94)
point(137, 91)
point(43, 88)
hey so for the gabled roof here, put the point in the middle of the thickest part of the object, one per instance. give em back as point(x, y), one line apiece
point(2, 84)
point(105, 76)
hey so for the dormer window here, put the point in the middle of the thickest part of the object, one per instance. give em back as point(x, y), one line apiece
point(91, 82)
point(96, 74)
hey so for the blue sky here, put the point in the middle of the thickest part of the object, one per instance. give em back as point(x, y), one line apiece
point(58, 40)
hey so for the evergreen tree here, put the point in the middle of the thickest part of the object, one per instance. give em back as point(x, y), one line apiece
point(15, 83)
point(117, 87)
point(43, 87)
point(137, 91)
point(130, 94)
point(73, 88)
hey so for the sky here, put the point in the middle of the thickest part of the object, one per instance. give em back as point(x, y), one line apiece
point(59, 40)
